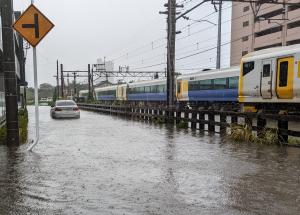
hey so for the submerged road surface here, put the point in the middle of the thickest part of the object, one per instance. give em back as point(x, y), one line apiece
point(101, 164)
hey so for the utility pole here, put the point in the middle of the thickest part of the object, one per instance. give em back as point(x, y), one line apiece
point(68, 82)
point(218, 66)
point(89, 82)
point(92, 79)
point(284, 24)
point(171, 52)
point(9, 69)
point(74, 75)
point(62, 80)
point(57, 79)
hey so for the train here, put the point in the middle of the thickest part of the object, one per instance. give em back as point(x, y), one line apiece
point(267, 80)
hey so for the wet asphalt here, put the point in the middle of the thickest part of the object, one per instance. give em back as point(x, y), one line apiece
point(103, 164)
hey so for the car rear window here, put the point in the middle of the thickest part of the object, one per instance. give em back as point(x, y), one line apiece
point(65, 103)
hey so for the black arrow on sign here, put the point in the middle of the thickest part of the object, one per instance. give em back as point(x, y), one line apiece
point(35, 25)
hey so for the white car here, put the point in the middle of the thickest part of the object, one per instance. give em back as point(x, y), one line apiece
point(65, 109)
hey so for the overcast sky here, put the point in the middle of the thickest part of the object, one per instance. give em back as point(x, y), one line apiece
point(130, 32)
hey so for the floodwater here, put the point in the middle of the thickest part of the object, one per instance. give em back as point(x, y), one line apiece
point(102, 164)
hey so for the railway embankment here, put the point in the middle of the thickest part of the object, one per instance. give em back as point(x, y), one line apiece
point(242, 127)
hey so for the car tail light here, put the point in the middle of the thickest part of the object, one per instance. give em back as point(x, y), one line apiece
point(76, 109)
point(58, 109)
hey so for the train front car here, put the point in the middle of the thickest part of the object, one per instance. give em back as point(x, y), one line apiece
point(213, 88)
point(147, 92)
point(270, 80)
point(106, 94)
point(82, 96)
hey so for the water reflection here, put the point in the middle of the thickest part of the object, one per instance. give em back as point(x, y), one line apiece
point(10, 178)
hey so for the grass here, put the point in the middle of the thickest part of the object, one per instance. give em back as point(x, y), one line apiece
point(182, 124)
point(159, 120)
point(293, 141)
point(2, 135)
point(23, 128)
point(23, 125)
point(243, 133)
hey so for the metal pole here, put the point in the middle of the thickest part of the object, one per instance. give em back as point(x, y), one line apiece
point(68, 81)
point(57, 79)
point(284, 24)
point(10, 77)
point(171, 52)
point(74, 83)
point(62, 80)
point(36, 100)
point(218, 63)
point(89, 81)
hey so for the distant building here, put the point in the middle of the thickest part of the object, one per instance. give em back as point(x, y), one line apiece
point(274, 25)
point(103, 66)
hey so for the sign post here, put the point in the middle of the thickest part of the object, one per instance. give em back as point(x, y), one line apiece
point(34, 26)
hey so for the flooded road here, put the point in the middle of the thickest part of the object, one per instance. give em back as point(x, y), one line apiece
point(101, 164)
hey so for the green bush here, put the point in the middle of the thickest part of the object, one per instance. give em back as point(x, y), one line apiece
point(243, 133)
point(182, 124)
point(2, 135)
point(23, 125)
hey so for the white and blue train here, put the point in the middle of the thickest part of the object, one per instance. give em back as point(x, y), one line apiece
point(266, 79)
point(204, 86)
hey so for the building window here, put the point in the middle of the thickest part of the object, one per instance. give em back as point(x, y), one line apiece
point(246, 8)
point(246, 38)
point(246, 23)
point(293, 7)
point(244, 53)
point(269, 46)
point(293, 24)
point(293, 42)
point(269, 15)
point(268, 31)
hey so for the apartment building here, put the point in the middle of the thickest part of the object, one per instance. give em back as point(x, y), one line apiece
point(274, 25)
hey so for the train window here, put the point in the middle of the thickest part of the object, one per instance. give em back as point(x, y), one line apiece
point(148, 89)
point(283, 74)
point(161, 88)
point(220, 84)
point(179, 87)
point(267, 70)
point(194, 85)
point(233, 82)
point(248, 67)
point(206, 84)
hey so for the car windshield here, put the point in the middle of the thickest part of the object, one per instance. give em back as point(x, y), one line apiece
point(65, 103)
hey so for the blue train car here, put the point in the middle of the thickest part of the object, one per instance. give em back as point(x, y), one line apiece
point(147, 91)
point(209, 86)
point(106, 93)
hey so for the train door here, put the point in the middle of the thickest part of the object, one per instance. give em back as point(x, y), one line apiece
point(179, 89)
point(266, 79)
point(285, 78)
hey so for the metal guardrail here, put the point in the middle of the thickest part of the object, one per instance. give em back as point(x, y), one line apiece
point(195, 117)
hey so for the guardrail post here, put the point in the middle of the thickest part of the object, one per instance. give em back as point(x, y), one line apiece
point(223, 122)
point(211, 119)
point(234, 119)
point(201, 124)
point(283, 127)
point(261, 124)
point(193, 120)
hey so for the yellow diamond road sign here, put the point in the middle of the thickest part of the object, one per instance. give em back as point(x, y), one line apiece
point(33, 25)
